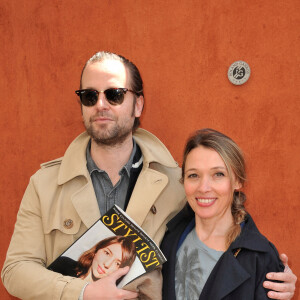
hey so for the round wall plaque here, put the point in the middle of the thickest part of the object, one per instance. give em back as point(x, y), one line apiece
point(239, 72)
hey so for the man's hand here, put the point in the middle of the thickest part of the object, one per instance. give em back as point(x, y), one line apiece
point(106, 288)
point(286, 289)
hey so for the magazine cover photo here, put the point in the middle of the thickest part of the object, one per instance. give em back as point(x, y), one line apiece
point(113, 242)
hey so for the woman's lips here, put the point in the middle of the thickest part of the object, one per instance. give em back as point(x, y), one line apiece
point(205, 202)
point(100, 270)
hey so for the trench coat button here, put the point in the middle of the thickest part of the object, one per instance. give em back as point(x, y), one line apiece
point(153, 209)
point(68, 223)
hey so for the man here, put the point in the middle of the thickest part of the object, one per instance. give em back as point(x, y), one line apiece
point(111, 163)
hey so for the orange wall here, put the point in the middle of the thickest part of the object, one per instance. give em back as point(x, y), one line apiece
point(183, 50)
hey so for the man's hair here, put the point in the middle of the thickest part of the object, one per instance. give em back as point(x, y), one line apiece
point(136, 82)
point(86, 259)
point(234, 161)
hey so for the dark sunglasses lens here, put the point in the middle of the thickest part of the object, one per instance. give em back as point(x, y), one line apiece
point(89, 98)
point(114, 96)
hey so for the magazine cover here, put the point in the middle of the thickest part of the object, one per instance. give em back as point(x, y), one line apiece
point(113, 242)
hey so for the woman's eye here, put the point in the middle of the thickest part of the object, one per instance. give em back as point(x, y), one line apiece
point(192, 175)
point(220, 174)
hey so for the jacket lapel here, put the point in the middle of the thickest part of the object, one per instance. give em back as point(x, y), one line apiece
point(227, 276)
point(147, 189)
point(149, 185)
point(74, 166)
point(85, 204)
point(150, 182)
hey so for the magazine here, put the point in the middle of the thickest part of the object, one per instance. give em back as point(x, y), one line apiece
point(114, 241)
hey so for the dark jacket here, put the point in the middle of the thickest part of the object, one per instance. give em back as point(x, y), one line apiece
point(240, 277)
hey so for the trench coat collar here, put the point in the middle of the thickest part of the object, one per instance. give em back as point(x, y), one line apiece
point(74, 161)
point(73, 165)
point(153, 149)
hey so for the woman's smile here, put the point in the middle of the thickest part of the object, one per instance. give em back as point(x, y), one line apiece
point(207, 184)
point(100, 270)
point(205, 202)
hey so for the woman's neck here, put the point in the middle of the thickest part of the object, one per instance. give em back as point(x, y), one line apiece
point(88, 276)
point(213, 231)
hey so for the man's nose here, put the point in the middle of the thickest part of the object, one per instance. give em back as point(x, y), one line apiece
point(102, 102)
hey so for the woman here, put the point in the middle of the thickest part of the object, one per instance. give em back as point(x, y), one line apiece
point(104, 258)
point(213, 247)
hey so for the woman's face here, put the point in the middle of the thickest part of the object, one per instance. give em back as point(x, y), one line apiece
point(207, 184)
point(107, 260)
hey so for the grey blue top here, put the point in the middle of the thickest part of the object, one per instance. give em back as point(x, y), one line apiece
point(194, 264)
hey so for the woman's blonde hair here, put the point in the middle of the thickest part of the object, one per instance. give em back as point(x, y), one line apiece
point(234, 161)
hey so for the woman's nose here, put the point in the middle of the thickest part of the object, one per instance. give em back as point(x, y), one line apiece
point(204, 185)
point(108, 263)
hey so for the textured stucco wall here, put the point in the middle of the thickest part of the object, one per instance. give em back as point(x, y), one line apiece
point(183, 50)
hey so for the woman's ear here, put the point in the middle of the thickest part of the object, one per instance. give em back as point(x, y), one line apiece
point(237, 185)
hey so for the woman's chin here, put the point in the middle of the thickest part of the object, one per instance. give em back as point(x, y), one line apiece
point(99, 276)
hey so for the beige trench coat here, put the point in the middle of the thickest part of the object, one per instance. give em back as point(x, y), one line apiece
point(62, 191)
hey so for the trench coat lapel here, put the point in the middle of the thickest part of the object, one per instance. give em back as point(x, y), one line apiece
point(74, 166)
point(85, 203)
point(147, 189)
point(227, 276)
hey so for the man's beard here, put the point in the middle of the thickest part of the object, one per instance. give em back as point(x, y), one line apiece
point(110, 135)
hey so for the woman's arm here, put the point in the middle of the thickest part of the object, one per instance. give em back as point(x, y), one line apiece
point(286, 289)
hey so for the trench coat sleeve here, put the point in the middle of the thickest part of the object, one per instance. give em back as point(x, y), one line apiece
point(24, 273)
point(149, 285)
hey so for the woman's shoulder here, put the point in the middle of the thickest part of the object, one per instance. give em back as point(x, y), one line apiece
point(257, 244)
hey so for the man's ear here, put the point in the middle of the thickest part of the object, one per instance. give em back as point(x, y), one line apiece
point(139, 105)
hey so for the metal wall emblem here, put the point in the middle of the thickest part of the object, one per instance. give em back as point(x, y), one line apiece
point(239, 72)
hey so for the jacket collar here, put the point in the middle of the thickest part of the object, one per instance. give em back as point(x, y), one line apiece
point(250, 238)
point(74, 161)
point(227, 276)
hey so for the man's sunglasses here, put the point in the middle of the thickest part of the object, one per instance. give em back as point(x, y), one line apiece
point(115, 96)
